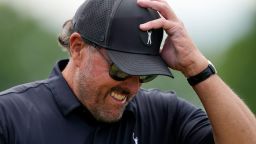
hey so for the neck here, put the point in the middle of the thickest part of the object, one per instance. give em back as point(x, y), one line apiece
point(69, 74)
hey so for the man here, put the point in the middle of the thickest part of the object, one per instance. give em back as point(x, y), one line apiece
point(95, 96)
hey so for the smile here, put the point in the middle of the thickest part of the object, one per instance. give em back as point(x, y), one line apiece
point(118, 96)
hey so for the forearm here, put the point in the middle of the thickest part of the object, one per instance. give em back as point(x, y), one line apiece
point(231, 119)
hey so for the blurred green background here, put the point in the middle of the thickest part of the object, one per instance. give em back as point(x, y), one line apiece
point(28, 51)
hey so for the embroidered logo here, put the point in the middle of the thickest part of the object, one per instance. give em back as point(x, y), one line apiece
point(149, 42)
point(135, 139)
point(147, 37)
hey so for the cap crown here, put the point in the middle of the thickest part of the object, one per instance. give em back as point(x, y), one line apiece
point(114, 24)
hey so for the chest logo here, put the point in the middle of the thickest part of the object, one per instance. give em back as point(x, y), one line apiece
point(135, 139)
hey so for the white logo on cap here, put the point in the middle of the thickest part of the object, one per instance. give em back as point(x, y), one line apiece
point(149, 37)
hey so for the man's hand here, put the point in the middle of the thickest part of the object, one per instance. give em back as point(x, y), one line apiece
point(231, 120)
point(179, 51)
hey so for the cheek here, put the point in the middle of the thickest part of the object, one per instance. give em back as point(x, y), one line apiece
point(101, 79)
point(101, 74)
point(98, 75)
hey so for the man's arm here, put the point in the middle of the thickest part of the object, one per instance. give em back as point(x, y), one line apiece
point(231, 119)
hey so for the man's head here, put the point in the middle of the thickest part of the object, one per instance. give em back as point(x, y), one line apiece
point(110, 55)
point(88, 75)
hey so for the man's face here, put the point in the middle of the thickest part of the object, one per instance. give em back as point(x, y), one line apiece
point(104, 97)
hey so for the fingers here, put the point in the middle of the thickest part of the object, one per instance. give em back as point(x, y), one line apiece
point(156, 24)
point(168, 20)
point(161, 6)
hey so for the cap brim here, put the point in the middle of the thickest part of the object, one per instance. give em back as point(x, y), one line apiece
point(139, 64)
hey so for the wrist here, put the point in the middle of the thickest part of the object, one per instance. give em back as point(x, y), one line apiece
point(195, 68)
point(203, 75)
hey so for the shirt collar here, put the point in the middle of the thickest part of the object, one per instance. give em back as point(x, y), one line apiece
point(64, 96)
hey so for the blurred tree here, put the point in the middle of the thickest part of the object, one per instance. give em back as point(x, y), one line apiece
point(239, 67)
point(27, 51)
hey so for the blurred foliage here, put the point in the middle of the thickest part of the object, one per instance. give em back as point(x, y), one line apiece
point(239, 67)
point(178, 84)
point(27, 51)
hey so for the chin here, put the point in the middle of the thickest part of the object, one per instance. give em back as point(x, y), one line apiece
point(108, 117)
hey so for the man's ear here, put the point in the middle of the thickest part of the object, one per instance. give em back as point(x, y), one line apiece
point(76, 48)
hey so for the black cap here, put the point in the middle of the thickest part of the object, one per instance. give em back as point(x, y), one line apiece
point(114, 25)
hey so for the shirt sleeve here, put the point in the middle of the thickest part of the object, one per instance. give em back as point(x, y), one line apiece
point(193, 125)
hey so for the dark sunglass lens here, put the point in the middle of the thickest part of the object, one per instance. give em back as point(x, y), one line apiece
point(145, 79)
point(117, 74)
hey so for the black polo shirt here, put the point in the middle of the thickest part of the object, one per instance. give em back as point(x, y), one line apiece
point(47, 112)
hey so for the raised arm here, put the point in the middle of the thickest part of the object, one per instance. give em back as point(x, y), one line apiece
point(231, 119)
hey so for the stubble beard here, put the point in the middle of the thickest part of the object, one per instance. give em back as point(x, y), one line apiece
point(92, 98)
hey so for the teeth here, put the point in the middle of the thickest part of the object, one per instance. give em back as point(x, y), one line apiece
point(117, 96)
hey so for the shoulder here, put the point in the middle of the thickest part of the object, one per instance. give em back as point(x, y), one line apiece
point(22, 95)
point(22, 101)
point(155, 101)
point(156, 92)
point(162, 111)
point(22, 89)
point(156, 97)
point(19, 104)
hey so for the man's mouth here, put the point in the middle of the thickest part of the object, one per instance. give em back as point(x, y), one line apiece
point(118, 96)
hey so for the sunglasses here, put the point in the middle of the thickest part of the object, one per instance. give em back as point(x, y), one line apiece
point(118, 75)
